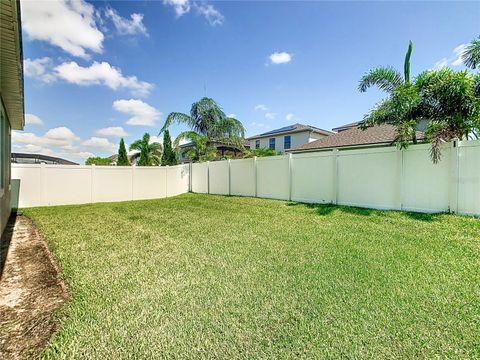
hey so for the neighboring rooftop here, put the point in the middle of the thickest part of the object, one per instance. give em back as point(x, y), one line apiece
point(347, 126)
point(23, 158)
point(291, 129)
point(355, 136)
point(11, 63)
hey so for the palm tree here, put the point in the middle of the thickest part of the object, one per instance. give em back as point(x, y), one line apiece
point(201, 148)
point(207, 118)
point(471, 54)
point(387, 78)
point(401, 108)
point(149, 154)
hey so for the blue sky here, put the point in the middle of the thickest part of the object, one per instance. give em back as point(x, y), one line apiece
point(95, 71)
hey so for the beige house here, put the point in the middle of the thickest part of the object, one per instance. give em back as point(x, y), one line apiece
point(11, 95)
point(287, 137)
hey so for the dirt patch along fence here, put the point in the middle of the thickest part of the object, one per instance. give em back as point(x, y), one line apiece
point(381, 178)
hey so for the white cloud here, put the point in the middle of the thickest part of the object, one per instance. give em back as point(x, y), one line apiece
point(455, 59)
point(290, 117)
point(100, 144)
point(280, 57)
point(125, 26)
point(85, 154)
point(232, 115)
point(39, 68)
point(101, 74)
point(213, 16)
point(208, 11)
point(181, 7)
point(270, 115)
point(458, 51)
point(154, 138)
point(61, 137)
point(112, 131)
point(441, 63)
point(67, 24)
point(260, 107)
point(31, 119)
point(258, 125)
point(141, 112)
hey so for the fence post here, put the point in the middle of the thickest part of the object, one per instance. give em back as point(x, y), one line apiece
point(399, 195)
point(166, 180)
point(133, 181)
point(43, 184)
point(190, 177)
point(208, 177)
point(255, 176)
point(454, 176)
point(92, 179)
point(229, 178)
point(290, 176)
point(335, 175)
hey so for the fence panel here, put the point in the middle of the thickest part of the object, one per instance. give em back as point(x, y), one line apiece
point(367, 178)
point(273, 177)
point(66, 185)
point(425, 185)
point(469, 178)
point(111, 183)
point(242, 181)
point(31, 188)
point(200, 178)
point(313, 177)
point(219, 177)
point(149, 182)
point(177, 179)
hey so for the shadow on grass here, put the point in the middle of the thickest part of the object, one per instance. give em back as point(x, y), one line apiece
point(326, 209)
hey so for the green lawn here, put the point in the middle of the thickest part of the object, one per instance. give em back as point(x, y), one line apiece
point(202, 276)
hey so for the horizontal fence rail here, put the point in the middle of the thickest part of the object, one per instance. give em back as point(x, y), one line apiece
point(47, 185)
point(380, 178)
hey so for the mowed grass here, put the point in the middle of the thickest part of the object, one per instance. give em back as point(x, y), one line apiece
point(202, 276)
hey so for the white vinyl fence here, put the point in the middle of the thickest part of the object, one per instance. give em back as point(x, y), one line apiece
point(46, 185)
point(381, 178)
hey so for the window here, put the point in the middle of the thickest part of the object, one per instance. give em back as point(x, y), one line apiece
point(257, 144)
point(271, 143)
point(287, 142)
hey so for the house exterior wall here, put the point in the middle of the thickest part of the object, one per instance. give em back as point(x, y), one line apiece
point(5, 186)
point(297, 139)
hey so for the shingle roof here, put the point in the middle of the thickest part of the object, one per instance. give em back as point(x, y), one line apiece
point(291, 128)
point(375, 135)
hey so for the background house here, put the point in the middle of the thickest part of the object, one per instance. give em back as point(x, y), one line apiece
point(352, 136)
point(22, 158)
point(11, 95)
point(287, 137)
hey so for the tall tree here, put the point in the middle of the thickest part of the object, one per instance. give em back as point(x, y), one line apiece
point(148, 154)
point(208, 119)
point(168, 156)
point(122, 159)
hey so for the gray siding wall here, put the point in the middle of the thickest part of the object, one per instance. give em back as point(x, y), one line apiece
point(5, 185)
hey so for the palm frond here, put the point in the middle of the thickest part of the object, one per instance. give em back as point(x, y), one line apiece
point(176, 118)
point(406, 65)
point(471, 54)
point(229, 127)
point(385, 78)
point(136, 145)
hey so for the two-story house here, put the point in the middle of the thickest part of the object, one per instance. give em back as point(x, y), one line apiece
point(287, 137)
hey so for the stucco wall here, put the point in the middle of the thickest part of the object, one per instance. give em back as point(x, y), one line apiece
point(297, 139)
